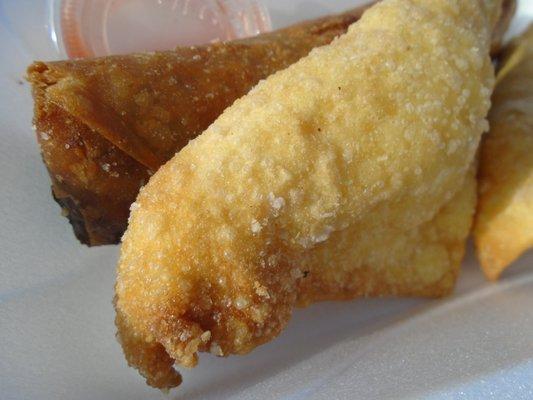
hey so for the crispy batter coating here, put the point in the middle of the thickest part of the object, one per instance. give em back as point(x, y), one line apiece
point(504, 219)
point(367, 139)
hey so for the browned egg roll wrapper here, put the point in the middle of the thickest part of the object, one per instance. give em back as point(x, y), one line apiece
point(106, 124)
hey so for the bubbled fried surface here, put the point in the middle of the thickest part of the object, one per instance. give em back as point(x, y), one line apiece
point(377, 130)
point(504, 220)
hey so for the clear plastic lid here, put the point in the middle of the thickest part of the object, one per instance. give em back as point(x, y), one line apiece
point(86, 28)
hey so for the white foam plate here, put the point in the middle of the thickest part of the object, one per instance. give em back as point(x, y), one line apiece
point(56, 318)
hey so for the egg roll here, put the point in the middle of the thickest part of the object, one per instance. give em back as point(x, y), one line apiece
point(105, 125)
point(372, 138)
point(504, 219)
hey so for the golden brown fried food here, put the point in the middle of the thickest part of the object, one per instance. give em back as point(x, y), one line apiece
point(364, 139)
point(105, 124)
point(504, 219)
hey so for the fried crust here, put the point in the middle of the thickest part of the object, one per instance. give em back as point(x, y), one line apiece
point(374, 133)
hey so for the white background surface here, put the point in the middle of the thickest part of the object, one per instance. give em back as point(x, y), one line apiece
point(56, 318)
